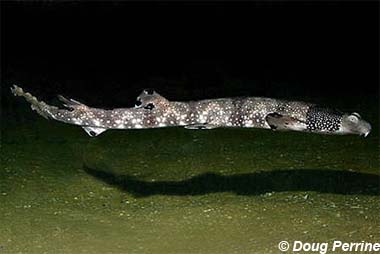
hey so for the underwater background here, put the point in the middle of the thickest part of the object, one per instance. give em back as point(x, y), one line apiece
point(173, 190)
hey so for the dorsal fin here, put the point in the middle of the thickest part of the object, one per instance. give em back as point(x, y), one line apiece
point(69, 102)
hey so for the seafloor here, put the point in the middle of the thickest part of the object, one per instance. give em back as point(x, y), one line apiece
point(183, 191)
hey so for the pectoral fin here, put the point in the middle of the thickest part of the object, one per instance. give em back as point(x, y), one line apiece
point(204, 126)
point(278, 121)
point(94, 131)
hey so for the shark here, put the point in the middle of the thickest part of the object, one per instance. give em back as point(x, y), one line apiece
point(153, 110)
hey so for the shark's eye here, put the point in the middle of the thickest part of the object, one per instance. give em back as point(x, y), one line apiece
point(149, 106)
point(353, 118)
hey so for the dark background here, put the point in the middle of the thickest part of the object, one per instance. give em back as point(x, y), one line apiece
point(104, 54)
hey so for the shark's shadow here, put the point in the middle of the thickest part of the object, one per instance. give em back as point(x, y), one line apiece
point(324, 181)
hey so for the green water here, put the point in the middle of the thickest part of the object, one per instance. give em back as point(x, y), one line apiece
point(183, 191)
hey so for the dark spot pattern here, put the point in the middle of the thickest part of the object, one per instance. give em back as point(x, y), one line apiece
point(138, 103)
point(323, 119)
point(149, 106)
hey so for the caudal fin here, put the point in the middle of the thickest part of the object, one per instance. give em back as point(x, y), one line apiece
point(41, 107)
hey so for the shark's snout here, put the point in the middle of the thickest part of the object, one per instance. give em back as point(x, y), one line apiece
point(366, 129)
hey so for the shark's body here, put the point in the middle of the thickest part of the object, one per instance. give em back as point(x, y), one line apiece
point(154, 111)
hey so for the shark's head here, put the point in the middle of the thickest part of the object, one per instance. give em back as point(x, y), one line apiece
point(332, 121)
point(354, 124)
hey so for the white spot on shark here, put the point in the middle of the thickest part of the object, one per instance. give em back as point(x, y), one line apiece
point(96, 122)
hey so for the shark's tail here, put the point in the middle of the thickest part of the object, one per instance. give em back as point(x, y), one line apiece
point(41, 107)
point(70, 115)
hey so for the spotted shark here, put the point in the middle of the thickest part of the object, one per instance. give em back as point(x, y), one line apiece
point(155, 111)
